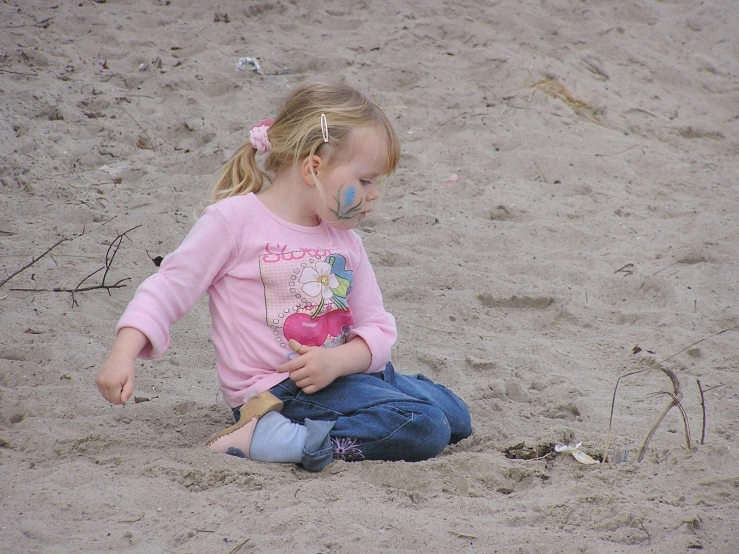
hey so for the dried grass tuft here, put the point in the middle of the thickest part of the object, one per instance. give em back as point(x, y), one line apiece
point(675, 399)
point(555, 89)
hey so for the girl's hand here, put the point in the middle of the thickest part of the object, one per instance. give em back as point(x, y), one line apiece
point(318, 367)
point(314, 369)
point(115, 379)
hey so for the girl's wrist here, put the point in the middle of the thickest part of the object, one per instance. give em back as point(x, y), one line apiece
point(128, 344)
point(357, 354)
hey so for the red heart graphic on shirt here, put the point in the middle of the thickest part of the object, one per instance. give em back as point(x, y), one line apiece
point(314, 331)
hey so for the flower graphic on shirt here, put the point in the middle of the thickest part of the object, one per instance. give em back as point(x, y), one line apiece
point(327, 282)
point(319, 281)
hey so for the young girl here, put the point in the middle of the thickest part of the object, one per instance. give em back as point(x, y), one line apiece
point(301, 337)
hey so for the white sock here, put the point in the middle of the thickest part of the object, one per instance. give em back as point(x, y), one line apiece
point(277, 439)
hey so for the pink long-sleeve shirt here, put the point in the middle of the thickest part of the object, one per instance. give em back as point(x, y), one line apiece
point(268, 281)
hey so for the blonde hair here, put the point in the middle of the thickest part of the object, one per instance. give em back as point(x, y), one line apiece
point(296, 134)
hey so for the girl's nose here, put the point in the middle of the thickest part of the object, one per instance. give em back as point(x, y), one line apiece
point(373, 193)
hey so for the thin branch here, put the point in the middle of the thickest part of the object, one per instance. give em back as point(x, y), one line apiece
point(152, 144)
point(674, 401)
point(133, 520)
point(113, 247)
point(683, 413)
point(90, 275)
point(115, 285)
point(663, 269)
point(19, 73)
point(617, 153)
point(238, 548)
point(74, 169)
point(37, 258)
point(448, 121)
point(703, 408)
point(109, 257)
point(613, 405)
point(649, 537)
point(699, 341)
point(648, 437)
point(60, 241)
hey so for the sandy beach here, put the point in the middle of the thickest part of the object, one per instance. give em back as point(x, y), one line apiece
point(564, 214)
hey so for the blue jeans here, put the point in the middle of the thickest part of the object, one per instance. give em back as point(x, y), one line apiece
point(378, 416)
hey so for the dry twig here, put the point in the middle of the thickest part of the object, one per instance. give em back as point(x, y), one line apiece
point(616, 153)
point(48, 250)
point(19, 73)
point(613, 405)
point(674, 401)
point(133, 520)
point(37, 258)
point(149, 143)
point(109, 257)
point(703, 407)
point(238, 548)
point(463, 535)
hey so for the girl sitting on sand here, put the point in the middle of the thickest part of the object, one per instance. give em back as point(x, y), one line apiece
point(302, 339)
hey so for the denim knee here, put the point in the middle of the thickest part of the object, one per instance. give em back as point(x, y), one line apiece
point(426, 435)
point(462, 426)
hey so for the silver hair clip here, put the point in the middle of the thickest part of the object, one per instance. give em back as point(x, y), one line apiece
point(324, 127)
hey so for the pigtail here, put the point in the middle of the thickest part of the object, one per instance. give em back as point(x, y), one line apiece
point(240, 175)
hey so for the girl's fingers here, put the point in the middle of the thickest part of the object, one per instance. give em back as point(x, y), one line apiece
point(302, 383)
point(292, 365)
point(108, 395)
point(299, 348)
point(127, 391)
point(114, 395)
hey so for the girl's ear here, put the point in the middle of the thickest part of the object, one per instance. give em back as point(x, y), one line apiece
point(311, 166)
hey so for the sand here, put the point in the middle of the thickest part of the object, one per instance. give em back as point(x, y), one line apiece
point(565, 213)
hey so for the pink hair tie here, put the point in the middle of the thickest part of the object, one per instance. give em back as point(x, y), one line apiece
point(258, 137)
